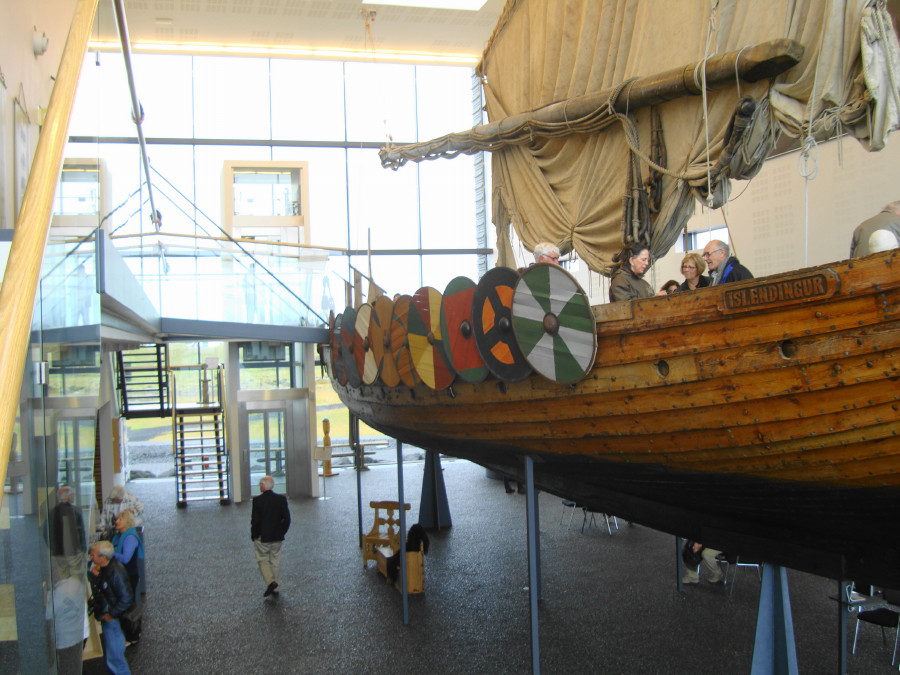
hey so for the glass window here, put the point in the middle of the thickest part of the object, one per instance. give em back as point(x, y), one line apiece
point(78, 191)
point(447, 193)
point(163, 84)
point(381, 102)
point(444, 100)
point(103, 104)
point(307, 100)
point(697, 239)
point(393, 273)
point(172, 169)
point(382, 202)
point(438, 270)
point(209, 161)
point(327, 208)
point(231, 97)
point(123, 168)
point(270, 191)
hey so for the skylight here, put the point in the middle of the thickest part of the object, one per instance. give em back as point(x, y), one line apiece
point(462, 5)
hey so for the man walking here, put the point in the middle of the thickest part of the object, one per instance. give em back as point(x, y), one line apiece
point(269, 522)
point(112, 598)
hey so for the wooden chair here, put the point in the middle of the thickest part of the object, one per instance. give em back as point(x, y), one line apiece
point(385, 530)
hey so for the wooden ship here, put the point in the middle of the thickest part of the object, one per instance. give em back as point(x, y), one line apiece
point(760, 417)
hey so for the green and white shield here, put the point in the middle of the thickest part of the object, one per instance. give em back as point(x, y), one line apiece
point(554, 324)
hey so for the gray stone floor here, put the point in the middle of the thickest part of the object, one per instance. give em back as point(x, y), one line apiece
point(610, 603)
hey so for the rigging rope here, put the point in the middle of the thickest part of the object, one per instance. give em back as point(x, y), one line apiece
point(709, 31)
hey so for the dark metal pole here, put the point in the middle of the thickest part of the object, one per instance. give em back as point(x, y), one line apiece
point(403, 581)
point(678, 568)
point(533, 565)
point(354, 444)
point(844, 607)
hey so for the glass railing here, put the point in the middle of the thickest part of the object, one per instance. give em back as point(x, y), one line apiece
point(244, 282)
point(192, 269)
point(69, 284)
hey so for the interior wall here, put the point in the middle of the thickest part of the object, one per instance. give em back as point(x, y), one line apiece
point(767, 216)
point(27, 77)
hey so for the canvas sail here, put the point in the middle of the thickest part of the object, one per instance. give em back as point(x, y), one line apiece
point(570, 188)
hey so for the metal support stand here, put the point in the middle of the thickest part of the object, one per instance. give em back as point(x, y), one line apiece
point(402, 502)
point(354, 445)
point(679, 572)
point(845, 607)
point(534, 564)
point(774, 651)
point(434, 511)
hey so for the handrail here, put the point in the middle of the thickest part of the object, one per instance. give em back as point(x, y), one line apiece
point(26, 252)
point(237, 240)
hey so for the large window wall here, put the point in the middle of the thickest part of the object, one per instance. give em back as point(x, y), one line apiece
point(200, 111)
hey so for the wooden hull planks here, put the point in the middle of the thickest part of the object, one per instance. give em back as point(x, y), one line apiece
point(767, 419)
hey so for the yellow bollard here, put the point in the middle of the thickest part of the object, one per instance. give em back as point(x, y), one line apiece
point(326, 442)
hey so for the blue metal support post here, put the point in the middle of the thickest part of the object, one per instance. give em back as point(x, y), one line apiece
point(434, 511)
point(402, 501)
point(774, 651)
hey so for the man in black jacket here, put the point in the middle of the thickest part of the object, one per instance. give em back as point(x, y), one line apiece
point(112, 595)
point(723, 267)
point(67, 540)
point(269, 522)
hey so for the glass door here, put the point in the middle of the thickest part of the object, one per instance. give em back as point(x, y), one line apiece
point(267, 448)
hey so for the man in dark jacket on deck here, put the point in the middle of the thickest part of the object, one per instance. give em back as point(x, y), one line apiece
point(723, 267)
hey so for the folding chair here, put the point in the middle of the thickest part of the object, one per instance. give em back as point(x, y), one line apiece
point(886, 615)
point(567, 504)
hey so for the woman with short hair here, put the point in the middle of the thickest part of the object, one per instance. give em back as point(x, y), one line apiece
point(693, 267)
point(128, 547)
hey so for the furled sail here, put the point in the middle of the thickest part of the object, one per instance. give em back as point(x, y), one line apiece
point(569, 185)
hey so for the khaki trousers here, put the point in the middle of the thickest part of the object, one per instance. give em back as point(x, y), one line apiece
point(268, 557)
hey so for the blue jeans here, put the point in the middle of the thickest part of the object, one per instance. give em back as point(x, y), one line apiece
point(114, 648)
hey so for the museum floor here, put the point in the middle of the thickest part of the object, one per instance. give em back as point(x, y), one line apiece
point(610, 603)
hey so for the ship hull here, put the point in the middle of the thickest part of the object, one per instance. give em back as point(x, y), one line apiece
point(760, 418)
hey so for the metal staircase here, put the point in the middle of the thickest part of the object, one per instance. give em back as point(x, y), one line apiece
point(194, 396)
point(198, 435)
point(142, 381)
point(201, 458)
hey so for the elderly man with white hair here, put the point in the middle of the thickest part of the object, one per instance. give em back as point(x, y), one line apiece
point(269, 522)
point(112, 598)
point(878, 233)
point(546, 252)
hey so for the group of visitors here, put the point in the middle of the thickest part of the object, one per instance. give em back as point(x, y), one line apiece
point(628, 282)
point(114, 552)
point(879, 233)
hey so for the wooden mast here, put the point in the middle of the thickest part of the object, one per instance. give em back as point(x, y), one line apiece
point(751, 64)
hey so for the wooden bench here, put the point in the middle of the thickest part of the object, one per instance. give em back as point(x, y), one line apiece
point(385, 530)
